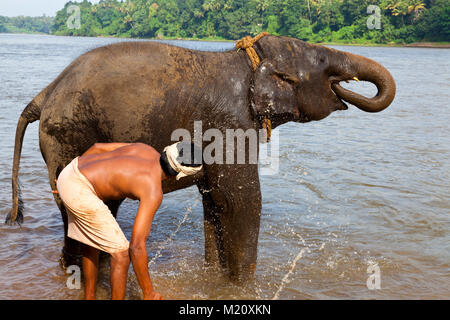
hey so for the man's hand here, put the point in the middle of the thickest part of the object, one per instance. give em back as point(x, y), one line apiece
point(154, 296)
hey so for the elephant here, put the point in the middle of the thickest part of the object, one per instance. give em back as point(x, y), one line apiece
point(143, 91)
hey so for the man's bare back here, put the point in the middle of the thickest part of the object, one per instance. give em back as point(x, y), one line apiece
point(122, 172)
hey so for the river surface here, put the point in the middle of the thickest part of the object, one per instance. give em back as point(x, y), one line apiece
point(356, 193)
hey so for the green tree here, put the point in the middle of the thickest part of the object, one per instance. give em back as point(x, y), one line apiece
point(311, 20)
point(434, 23)
point(272, 25)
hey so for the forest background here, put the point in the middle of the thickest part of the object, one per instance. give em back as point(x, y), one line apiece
point(320, 21)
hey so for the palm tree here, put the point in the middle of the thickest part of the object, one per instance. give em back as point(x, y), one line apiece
point(398, 8)
point(416, 6)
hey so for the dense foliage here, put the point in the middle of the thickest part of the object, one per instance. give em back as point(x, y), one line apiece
point(402, 21)
point(26, 24)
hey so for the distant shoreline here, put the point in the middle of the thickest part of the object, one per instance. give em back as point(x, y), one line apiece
point(429, 45)
point(425, 44)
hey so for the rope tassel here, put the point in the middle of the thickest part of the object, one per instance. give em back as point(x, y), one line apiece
point(267, 126)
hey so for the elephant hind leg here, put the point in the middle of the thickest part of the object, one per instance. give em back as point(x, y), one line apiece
point(57, 154)
point(71, 251)
point(113, 206)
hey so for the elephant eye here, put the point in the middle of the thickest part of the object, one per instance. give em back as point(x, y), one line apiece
point(290, 79)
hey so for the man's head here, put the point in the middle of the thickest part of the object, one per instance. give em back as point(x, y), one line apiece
point(181, 159)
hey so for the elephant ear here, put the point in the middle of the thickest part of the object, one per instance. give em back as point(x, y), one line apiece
point(274, 91)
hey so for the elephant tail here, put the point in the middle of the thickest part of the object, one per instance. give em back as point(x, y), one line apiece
point(31, 113)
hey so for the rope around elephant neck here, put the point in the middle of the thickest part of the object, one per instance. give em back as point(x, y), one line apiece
point(247, 44)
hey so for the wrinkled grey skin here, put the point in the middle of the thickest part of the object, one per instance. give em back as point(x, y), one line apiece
point(143, 91)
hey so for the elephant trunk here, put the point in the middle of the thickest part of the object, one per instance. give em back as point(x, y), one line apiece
point(367, 70)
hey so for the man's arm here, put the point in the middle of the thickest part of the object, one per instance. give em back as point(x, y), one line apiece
point(98, 148)
point(148, 206)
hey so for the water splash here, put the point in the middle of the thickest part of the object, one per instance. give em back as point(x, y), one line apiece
point(284, 281)
point(171, 236)
point(132, 277)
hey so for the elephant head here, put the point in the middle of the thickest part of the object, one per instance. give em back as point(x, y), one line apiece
point(297, 81)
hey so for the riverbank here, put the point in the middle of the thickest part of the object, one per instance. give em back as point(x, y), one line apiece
point(444, 45)
point(356, 42)
point(441, 45)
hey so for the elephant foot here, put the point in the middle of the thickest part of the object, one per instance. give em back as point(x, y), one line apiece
point(242, 273)
point(69, 259)
point(237, 273)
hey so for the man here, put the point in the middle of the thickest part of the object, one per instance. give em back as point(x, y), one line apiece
point(113, 171)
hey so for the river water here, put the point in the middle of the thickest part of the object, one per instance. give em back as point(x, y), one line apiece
point(354, 191)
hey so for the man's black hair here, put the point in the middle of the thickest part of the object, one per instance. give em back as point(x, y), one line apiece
point(165, 165)
point(189, 162)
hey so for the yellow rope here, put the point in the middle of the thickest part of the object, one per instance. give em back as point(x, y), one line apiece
point(247, 44)
point(267, 126)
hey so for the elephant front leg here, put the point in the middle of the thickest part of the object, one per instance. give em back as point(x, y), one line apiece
point(213, 236)
point(232, 209)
